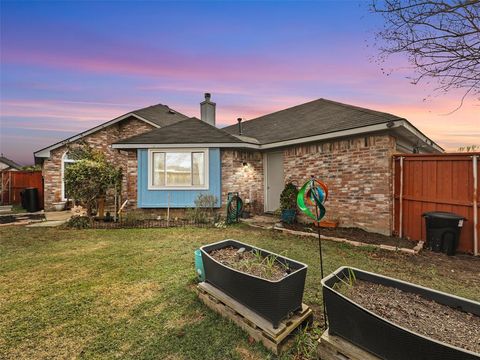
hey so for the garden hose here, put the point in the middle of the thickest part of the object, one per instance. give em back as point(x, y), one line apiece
point(234, 208)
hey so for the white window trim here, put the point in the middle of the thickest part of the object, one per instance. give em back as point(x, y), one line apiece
point(178, 150)
point(65, 160)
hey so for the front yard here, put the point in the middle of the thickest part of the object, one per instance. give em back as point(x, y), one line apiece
point(129, 293)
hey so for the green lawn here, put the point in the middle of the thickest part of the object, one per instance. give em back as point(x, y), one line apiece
point(129, 293)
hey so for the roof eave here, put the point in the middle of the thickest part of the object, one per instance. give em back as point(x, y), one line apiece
point(186, 145)
point(45, 152)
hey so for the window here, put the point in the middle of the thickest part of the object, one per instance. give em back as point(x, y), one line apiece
point(178, 169)
point(66, 162)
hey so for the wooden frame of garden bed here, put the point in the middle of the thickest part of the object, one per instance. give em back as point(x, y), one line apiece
point(260, 329)
point(332, 347)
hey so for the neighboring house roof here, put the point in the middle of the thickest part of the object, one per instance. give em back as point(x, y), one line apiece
point(312, 118)
point(10, 163)
point(190, 131)
point(156, 115)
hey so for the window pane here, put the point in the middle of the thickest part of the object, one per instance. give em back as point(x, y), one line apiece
point(198, 170)
point(179, 169)
point(158, 178)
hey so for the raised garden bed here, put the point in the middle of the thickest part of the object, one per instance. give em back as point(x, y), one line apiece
point(398, 320)
point(273, 292)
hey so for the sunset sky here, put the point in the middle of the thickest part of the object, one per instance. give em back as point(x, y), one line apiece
point(67, 66)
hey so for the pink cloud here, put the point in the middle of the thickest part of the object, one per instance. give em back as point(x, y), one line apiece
point(68, 110)
point(150, 63)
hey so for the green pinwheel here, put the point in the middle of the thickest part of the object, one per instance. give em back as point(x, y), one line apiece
point(313, 193)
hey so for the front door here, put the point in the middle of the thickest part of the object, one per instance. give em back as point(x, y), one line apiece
point(274, 180)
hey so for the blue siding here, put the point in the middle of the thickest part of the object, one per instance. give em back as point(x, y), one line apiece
point(178, 198)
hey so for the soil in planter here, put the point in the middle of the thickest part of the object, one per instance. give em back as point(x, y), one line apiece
point(418, 314)
point(356, 234)
point(251, 262)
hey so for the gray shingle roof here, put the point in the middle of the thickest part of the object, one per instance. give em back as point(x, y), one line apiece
point(312, 118)
point(190, 131)
point(160, 114)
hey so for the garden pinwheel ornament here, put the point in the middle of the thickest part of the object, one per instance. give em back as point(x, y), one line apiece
point(313, 194)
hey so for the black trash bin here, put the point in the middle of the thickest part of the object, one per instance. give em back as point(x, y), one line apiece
point(443, 231)
point(23, 199)
point(30, 199)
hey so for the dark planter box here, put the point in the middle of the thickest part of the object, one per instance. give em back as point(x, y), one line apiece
point(273, 300)
point(382, 337)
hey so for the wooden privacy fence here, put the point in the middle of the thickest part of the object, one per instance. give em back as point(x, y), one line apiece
point(13, 182)
point(443, 182)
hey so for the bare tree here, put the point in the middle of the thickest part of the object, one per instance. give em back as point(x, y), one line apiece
point(440, 38)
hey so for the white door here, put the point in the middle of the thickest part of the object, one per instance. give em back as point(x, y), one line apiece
point(274, 180)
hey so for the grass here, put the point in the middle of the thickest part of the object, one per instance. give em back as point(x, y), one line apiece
point(129, 293)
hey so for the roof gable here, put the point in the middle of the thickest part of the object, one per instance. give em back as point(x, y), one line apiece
point(10, 163)
point(190, 131)
point(156, 115)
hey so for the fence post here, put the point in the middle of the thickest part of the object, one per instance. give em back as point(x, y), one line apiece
point(9, 187)
point(475, 205)
point(400, 198)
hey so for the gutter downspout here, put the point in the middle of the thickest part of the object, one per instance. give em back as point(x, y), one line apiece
point(475, 205)
point(400, 215)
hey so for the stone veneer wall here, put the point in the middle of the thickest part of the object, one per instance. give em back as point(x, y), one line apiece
point(102, 139)
point(246, 180)
point(358, 173)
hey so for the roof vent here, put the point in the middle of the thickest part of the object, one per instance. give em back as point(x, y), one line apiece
point(239, 126)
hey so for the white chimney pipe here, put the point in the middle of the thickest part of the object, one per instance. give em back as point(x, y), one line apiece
point(207, 110)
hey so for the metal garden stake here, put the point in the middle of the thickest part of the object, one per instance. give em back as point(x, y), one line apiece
point(314, 193)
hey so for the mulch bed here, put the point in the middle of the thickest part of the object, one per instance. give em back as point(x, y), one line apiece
point(250, 263)
point(425, 317)
point(146, 223)
point(355, 234)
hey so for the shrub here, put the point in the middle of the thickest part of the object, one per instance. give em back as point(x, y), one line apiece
point(204, 210)
point(78, 222)
point(90, 176)
point(288, 197)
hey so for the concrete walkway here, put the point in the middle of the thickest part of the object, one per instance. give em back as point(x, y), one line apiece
point(264, 221)
point(53, 218)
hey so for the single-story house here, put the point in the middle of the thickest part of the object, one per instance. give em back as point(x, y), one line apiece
point(169, 158)
point(8, 165)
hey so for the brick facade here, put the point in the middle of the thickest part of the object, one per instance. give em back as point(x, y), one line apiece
point(246, 179)
point(102, 139)
point(358, 173)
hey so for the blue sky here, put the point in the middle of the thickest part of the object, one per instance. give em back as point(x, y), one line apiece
point(68, 66)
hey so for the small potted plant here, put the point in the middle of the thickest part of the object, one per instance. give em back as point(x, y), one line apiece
point(288, 203)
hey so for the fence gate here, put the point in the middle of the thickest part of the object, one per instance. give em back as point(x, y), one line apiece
point(443, 182)
point(13, 182)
